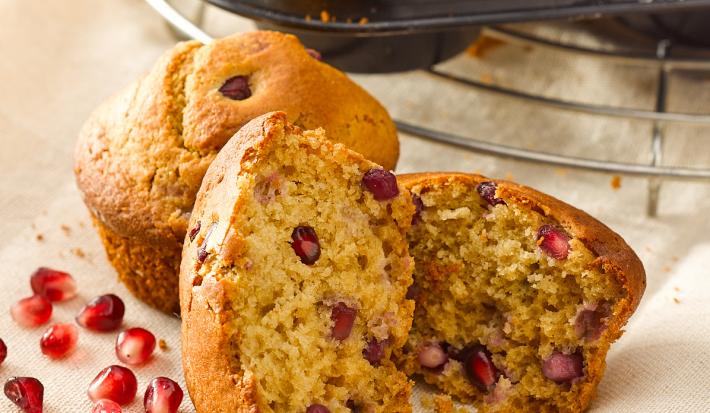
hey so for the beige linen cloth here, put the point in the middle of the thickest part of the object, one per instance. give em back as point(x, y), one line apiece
point(60, 59)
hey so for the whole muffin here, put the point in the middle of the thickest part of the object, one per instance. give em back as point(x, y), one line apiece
point(293, 278)
point(142, 154)
point(518, 295)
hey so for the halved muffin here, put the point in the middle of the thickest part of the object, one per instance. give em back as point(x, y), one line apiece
point(141, 155)
point(294, 276)
point(518, 295)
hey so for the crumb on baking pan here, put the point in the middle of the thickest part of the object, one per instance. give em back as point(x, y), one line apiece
point(677, 300)
point(78, 252)
point(363, 21)
point(561, 171)
point(443, 404)
point(163, 345)
point(40, 237)
point(615, 182)
point(483, 45)
point(65, 229)
point(325, 16)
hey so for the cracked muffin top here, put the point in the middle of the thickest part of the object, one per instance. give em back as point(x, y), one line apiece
point(142, 154)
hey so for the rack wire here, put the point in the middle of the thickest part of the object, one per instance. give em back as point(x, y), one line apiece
point(662, 61)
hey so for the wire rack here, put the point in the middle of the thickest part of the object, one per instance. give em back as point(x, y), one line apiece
point(662, 61)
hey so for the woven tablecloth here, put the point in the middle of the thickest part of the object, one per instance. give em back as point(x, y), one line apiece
point(61, 59)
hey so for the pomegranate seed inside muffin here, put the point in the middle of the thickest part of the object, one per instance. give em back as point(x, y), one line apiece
point(487, 191)
point(381, 183)
point(553, 241)
point(479, 367)
point(236, 88)
point(343, 319)
point(305, 244)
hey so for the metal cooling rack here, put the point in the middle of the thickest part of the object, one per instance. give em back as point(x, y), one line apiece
point(662, 61)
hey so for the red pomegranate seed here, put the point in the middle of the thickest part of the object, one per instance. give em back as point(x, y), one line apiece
point(236, 88)
point(103, 313)
point(375, 351)
point(487, 191)
point(3, 351)
point(53, 284)
point(554, 241)
point(195, 230)
point(591, 322)
point(106, 406)
point(32, 311)
point(202, 248)
point(314, 54)
point(162, 396)
point(59, 340)
point(343, 319)
point(381, 183)
point(418, 208)
point(116, 383)
point(26, 392)
point(305, 244)
point(317, 408)
point(479, 367)
point(135, 346)
point(563, 368)
point(432, 356)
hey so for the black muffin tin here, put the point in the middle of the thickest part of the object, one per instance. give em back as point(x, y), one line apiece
point(409, 34)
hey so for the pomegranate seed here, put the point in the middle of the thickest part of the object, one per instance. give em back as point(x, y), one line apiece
point(162, 396)
point(202, 248)
point(116, 383)
point(3, 351)
point(590, 323)
point(314, 54)
point(106, 406)
point(32, 311)
point(195, 230)
point(554, 241)
point(236, 88)
point(432, 356)
point(418, 208)
point(479, 368)
point(317, 408)
point(53, 284)
point(343, 318)
point(135, 346)
point(487, 191)
point(381, 183)
point(563, 368)
point(59, 340)
point(103, 313)
point(305, 244)
point(26, 392)
point(375, 351)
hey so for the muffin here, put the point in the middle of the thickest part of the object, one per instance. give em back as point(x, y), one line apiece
point(518, 295)
point(141, 155)
point(294, 276)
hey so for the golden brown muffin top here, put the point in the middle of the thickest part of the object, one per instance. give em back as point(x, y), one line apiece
point(141, 156)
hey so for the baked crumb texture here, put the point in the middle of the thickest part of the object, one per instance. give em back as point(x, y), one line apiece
point(276, 312)
point(482, 279)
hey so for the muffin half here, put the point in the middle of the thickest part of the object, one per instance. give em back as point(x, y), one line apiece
point(293, 278)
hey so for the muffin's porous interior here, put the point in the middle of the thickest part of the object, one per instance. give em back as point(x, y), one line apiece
point(482, 279)
point(282, 328)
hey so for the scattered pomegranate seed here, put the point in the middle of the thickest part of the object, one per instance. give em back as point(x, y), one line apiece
point(479, 368)
point(317, 408)
point(32, 311)
point(563, 368)
point(305, 244)
point(3, 351)
point(26, 392)
point(487, 191)
point(135, 346)
point(106, 406)
point(314, 54)
point(554, 241)
point(418, 208)
point(195, 230)
point(236, 88)
point(116, 383)
point(52, 284)
point(343, 318)
point(103, 313)
point(375, 351)
point(381, 183)
point(432, 356)
point(162, 396)
point(59, 340)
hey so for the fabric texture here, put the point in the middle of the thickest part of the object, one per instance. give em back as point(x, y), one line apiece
point(61, 59)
